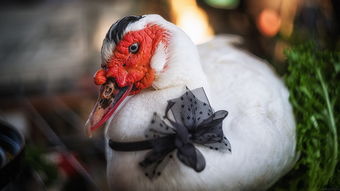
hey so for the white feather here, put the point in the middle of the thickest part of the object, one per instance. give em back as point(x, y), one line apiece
point(159, 59)
point(260, 124)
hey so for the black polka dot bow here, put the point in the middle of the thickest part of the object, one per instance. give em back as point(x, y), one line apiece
point(193, 122)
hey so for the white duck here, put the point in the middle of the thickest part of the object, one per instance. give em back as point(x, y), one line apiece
point(153, 61)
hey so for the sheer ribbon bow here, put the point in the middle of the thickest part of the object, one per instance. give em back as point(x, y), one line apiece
point(194, 123)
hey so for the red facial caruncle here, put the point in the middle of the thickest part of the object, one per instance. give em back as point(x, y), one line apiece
point(126, 71)
point(130, 60)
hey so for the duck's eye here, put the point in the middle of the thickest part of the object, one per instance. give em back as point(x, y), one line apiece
point(133, 48)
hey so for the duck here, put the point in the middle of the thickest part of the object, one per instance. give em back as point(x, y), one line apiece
point(147, 61)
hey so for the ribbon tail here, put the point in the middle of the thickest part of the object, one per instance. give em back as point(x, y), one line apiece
point(155, 160)
point(191, 157)
point(154, 163)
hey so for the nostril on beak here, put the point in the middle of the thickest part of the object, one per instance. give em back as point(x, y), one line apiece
point(108, 90)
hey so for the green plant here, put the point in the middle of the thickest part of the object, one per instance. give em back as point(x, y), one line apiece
point(313, 83)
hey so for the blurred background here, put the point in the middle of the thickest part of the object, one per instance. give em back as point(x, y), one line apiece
point(49, 50)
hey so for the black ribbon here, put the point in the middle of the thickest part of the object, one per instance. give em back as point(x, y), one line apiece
point(194, 122)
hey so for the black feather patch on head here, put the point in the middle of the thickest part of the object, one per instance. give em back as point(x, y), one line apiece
point(117, 29)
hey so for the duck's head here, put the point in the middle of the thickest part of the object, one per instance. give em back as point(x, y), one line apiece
point(140, 52)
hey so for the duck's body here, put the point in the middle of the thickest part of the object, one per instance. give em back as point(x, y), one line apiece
point(260, 125)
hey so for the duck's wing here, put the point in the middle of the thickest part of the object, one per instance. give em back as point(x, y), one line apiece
point(260, 124)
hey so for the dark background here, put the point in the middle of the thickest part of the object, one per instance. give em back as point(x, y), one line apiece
point(50, 49)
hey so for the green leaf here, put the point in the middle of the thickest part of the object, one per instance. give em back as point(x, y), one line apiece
point(313, 83)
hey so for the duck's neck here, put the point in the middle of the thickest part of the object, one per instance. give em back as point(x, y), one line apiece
point(182, 64)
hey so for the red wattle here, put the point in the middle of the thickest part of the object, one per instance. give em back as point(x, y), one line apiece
point(99, 77)
point(128, 68)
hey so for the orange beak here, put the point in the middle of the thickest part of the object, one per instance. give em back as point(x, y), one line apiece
point(110, 97)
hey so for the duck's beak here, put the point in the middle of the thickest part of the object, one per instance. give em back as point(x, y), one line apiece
point(110, 97)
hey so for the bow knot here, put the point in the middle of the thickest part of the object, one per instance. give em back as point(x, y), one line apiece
point(195, 123)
